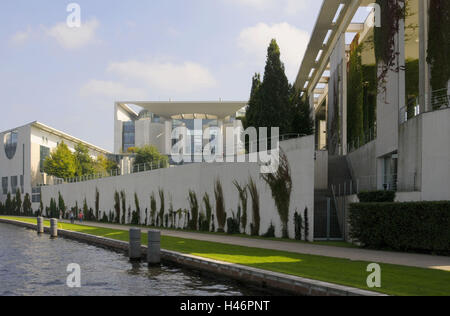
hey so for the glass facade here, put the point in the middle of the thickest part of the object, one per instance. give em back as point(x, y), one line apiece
point(128, 136)
point(10, 142)
point(195, 129)
point(44, 153)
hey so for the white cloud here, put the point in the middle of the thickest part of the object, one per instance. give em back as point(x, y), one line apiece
point(21, 37)
point(292, 41)
point(113, 90)
point(74, 38)
point(165, 77)
point(290, 7)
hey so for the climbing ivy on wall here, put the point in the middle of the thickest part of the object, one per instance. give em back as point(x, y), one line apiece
point(384, 37)
point(355, 94)
point(370, 83)
point(439, 43)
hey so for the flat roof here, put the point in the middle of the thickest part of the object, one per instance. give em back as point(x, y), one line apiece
point(68, 137)
point(169, 109)
point(56, 132)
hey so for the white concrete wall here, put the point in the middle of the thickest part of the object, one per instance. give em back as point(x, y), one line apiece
point(321, 170)
point(410, 155)
point(363, 166)
point(436, 155)
point(177, 182)
point(19, 164)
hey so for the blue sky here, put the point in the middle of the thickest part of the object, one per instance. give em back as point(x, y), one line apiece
point(137, 50)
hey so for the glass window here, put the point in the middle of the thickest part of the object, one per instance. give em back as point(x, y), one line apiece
point(21, 183)
point(36, 195)
point(128, 135)
point(14, 184)
point(44, 152)
point(5, 185)
point(10, 141)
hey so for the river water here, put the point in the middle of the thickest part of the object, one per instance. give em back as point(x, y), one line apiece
point(37, 265)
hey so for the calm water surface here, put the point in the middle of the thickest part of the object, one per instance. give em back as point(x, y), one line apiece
point(36, 265)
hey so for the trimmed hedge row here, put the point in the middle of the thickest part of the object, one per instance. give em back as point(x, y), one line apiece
point(377, 197)
point(418, 226)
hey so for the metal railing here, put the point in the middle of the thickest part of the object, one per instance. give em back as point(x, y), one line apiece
point(113, 173)
point(369, 136)
point(406, 183)
point(410, 111)
point(440, 99)
point(137, 168)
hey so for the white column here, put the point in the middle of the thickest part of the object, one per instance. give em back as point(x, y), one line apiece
point(424, 68)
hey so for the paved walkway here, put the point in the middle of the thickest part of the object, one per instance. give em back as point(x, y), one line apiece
point(354, 254)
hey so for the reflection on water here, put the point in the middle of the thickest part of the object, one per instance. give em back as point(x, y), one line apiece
point(36, 265)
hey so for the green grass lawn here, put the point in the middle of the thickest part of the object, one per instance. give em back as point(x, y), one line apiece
point(396, 280)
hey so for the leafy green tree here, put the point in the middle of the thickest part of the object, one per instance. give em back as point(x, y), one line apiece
point(104, 165)
point(61, 204)
point(280, 184)
point(162, 207)
point(272, 108)
point(27, 205)
point(18, 202)
point(117, 207)
point(83, 161)
point(97, 204)
point(150, 155)
point(9, 203)
point(252, 116)
point(302, 121)
point(355, 96)
point(60, 163)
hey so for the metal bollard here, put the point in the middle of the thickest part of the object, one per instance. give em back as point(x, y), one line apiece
point(154, 247)
point(53, 228)
point(40, 225)
point(135, 244)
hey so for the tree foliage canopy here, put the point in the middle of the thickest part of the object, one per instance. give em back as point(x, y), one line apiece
point(274, 102)
point(62, 163)
point(149, 155)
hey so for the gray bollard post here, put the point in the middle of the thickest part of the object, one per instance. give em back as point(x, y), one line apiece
point(135, 244)
point(154, 247)
point(40, 225)
point(53, 228)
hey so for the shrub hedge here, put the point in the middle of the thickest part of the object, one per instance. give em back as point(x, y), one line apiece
point(377, 197)
point(418, 226)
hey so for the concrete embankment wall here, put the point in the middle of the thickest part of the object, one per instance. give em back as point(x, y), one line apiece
point(200, 178)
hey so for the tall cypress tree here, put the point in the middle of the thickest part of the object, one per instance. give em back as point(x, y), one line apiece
point(269, 104)
point(253, 109)
point(275, 105)
point(302, 122)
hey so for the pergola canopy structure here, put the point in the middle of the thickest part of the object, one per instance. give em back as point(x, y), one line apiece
point(206, 109)
point(335, 18)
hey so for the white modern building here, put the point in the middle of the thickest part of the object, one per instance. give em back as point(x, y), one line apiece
point(154, 123)
point(402, 140)
point(23, 152)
